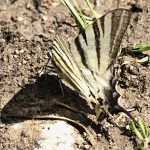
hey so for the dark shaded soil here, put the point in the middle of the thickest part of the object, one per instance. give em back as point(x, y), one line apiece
point(28, 28)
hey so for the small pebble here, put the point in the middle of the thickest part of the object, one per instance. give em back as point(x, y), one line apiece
point(22, 51)
point(87, 147)
point(25, 80)
point(127, 127)
point(99, 135)
point(15, 56)
point(139, 96)
point(44, 18)
point(10, 57)
point(8, 82)
point(55, 4)
point(20, 19)
point(3, 40)
point(52, 31)
point(43, 10)
point(24, 62)
point(16, 52)
point(28, 57)
point(19, 64)
point(134, 76)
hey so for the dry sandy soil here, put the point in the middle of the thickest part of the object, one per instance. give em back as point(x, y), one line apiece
point(27, 29)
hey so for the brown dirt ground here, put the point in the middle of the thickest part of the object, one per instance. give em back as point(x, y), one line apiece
point(27, 30)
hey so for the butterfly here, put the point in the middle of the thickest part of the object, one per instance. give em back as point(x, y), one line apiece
point(88, 63)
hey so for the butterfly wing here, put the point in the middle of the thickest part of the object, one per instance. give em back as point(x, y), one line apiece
point(96, 49)
point(68, 69)
point(88, 64)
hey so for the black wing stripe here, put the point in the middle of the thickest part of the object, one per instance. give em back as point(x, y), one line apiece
point(102, 25)
point(115, 20)
point(81, 51)
point(84, 37)
point(124, 22)
point(120, 21)
point(97, 41)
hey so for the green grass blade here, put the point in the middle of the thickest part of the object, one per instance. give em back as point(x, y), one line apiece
point(121, 67)
point(143, 60)
point(88, 19)
point(134, 129)
point(80, 13)
point(143, 128)
point(139, 48)
point(74, 13)
point(92, 10)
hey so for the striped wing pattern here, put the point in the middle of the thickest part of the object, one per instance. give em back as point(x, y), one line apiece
point(88, 63)
point(67, 68)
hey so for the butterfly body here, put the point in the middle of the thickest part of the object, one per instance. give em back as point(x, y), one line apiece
point(87, 64)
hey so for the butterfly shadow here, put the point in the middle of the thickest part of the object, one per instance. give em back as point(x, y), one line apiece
point(44, 98)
